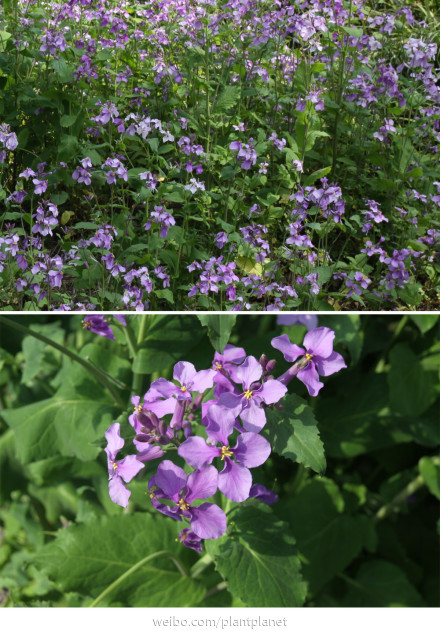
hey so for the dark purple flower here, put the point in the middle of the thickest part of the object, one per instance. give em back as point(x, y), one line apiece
point(122, 471)
point(260, 492)
point(251, 450)
point(190, 539)
point(208, 521)
point(319, 358)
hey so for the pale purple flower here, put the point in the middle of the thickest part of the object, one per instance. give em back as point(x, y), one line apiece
point(207, 520)
point(249, 404)
point(318, 358)
point(251, 450)
point(190, 381)
point(119, 471)
point(308, 320)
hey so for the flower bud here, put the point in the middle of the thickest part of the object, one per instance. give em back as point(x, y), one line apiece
point(263, 361)
point(271, 365)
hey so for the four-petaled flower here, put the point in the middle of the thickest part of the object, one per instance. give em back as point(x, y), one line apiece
point(318, 358)
point(208, 521)
point(251, 450)
point(119, 471)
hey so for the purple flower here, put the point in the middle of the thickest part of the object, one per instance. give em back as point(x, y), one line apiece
point(122, 471)
point(249, 404)
point(251, 450)
point(260, 492)
point(190, 381)
point(100, 325)
point(308, 320)
point(40, 186)
point(208, 521)
point(190, 539)
point(319, 358)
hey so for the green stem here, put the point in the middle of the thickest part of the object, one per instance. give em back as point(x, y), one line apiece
point(102, 380)
point(129, 336)
point(400, 498)
point(215, 590)
point(136, 384)
point(200, 565)
point(133, 569)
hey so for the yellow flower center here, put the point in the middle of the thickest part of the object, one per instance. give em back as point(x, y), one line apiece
point(308, 356)
point(86, 324)
point(217, 366)
point(184, 388)
point(182, 505)
point(248, 394)
point(138, 408)
point(115, 466)
point(226, 452)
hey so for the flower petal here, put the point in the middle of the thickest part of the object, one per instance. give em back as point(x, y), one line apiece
point(129, 467)
point(170, 478)
point(220, 423)
point(260, 492)
point(251, 450)
point(196, 452)
point(201, 484)
point(119, 494)
point(203, 380)
point(235, 481)
point(290, 351)
point(149, 453)
point(253, 417)
point(310, 379)
point(250, 371)
point(114, 440)
point(271, 391)
point(169, 511)
point(208, 521)
point(331, 364)
point(184, 373)
point(319, 342)
point(165, 387)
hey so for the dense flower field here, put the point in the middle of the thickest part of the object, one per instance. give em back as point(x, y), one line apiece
point(256, 463)
point(219, 154)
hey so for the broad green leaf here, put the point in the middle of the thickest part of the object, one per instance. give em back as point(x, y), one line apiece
point(227, 98)
point(67, 120)
point(430, 471)
point(38, 357)
point(258, 560)
point(424, 322)
point(63, 70)
point(381, 584)
point(68, 147)
point(87, 558)
point(167, 341)
point(353, 31)
point(311, 179)
point(328, 538)
point(347, 331)
point(411, 388)
point(293, 433)
point(219, 329)
point(352, 425)
point(70, 422)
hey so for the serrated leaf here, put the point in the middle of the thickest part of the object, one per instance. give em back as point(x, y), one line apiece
point(293, 433)
point(259, 560)
point(227, 98)
point(219, 329)
point(87, 558)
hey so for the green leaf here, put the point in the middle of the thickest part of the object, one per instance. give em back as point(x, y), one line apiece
point(293, 433)
point(354, 31)
point(69, 423)
point(68, 147)
point(167, 341)
point(87, 558)
point(259, 560)
point(382, 584)
point(430, 471)
point(67, 120)
point(63, 70)
point(327, 537)
point(219, 329)
point(411, 387)
point(227, 99)
point(311, 138)
point(347, 331)
point(424, 322)
point(311, 179)
point(38, 357)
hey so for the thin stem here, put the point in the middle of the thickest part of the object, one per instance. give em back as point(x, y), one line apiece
point(215, 590)
point(201, 565)
point(400, 498)
point(102, 380)
point(133, 569)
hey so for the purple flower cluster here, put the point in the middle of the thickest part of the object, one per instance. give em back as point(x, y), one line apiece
point(214, 418)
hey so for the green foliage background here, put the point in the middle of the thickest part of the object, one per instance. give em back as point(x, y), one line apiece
point(356, 469)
